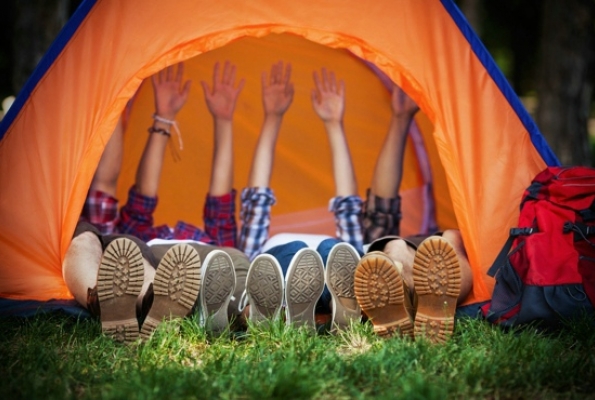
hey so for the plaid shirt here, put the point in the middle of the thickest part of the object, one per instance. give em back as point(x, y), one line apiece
point(255, 214)
point(256, 219)
point(348, 220)
point(380, 217)
point(101, 210)
point(136, 218)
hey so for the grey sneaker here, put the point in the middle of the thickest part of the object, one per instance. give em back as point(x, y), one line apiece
point(339, 278)
point(218, 285)
point(265, 288)
point(119, 283)
point(176, 287)
point(304, 284)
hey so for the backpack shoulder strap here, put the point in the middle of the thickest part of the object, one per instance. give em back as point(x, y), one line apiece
point(501, 258)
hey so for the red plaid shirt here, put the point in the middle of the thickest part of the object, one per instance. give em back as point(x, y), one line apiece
point(136, 218)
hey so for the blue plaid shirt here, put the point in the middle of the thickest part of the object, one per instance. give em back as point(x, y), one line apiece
point(255, 217)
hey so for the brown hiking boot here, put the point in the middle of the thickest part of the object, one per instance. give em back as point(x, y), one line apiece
point(119, 282)
point(437, 278)
point(380, 293)
point(175, 288)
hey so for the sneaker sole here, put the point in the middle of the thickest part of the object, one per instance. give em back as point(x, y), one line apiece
point(265, 288)
point(380, 294)
point(176, 287)
point(119, 283)
point(218, 285)
point(304, 284)
point(339, 277)
point(437, 278)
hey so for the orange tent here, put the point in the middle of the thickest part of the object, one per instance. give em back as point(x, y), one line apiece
point(483, 147)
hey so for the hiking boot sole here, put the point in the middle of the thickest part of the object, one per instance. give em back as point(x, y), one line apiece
point(339, 277)
point(175, 288)
point(437, 278)
point(265, 288)
point(304, 284)
point(380, 294)
point(119, 283)
point(217, 287)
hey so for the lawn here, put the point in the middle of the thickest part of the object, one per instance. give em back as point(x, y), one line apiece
point(59, 357)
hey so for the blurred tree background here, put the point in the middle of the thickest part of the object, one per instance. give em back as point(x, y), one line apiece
point(546, 49)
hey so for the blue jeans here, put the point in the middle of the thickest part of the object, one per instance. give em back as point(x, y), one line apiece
point(284, 254)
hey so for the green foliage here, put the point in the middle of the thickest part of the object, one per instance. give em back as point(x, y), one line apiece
point(56, 357)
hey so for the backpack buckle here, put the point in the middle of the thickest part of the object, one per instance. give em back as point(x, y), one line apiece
point(521, 231)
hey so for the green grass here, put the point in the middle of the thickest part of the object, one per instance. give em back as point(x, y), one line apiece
point(57, 357)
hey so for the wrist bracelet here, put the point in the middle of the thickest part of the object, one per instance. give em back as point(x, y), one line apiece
point(163, 120)
point(161, 131)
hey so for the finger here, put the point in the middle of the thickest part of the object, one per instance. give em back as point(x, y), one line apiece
point(317, 80)
point(342, 88)
point(232, 75)
point(240, 86)
point(332, 82)
point(160, 76)
point(263, 80)
point(287, 73)
point(314, 97)
point(154, 79)
point(205, 88)
point(279, 72)
point(170, 73)
point(273, 77)
point(226, 72)
point(289, 90)
point(215, 75)
point(180, 73)
point(186, 89)
point(324, 79)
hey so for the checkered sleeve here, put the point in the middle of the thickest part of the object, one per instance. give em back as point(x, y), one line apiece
point(220, 219)
point(101, 210)
point(348, 224)
point(255, 215)
point(136, 218)
point(380, 217)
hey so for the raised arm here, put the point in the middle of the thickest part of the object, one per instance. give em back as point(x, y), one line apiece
point(258, 198)
point(328, 100)
point(221, 101)
point(389, 165)
point(170, 97)
point(106, 176)
point(277, 95)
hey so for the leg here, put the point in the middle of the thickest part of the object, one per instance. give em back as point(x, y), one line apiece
point(381, 293)
point(119, 283)
point(437, 278)
point(218, 282)
point(304, 284)
point(340, 260)
point(176, 287)
point(81, 264)
point(265, 288)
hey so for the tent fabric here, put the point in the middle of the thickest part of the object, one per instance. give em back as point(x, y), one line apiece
point(53, 136)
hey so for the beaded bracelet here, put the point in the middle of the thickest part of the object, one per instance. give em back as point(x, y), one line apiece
point(161, 131)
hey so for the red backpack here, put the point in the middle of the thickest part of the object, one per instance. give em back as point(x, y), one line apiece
point(549, 275)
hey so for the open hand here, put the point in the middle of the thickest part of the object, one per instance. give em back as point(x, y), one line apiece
point(278, 93)
point(328, 98)
point(170, 95)
point(221, 100)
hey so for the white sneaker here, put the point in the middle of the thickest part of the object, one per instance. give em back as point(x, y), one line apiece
point(339, 277)
point(304, 284)
point(218, 284)
point(265, 288)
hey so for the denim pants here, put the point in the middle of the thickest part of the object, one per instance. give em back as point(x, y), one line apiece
point(284, 254)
